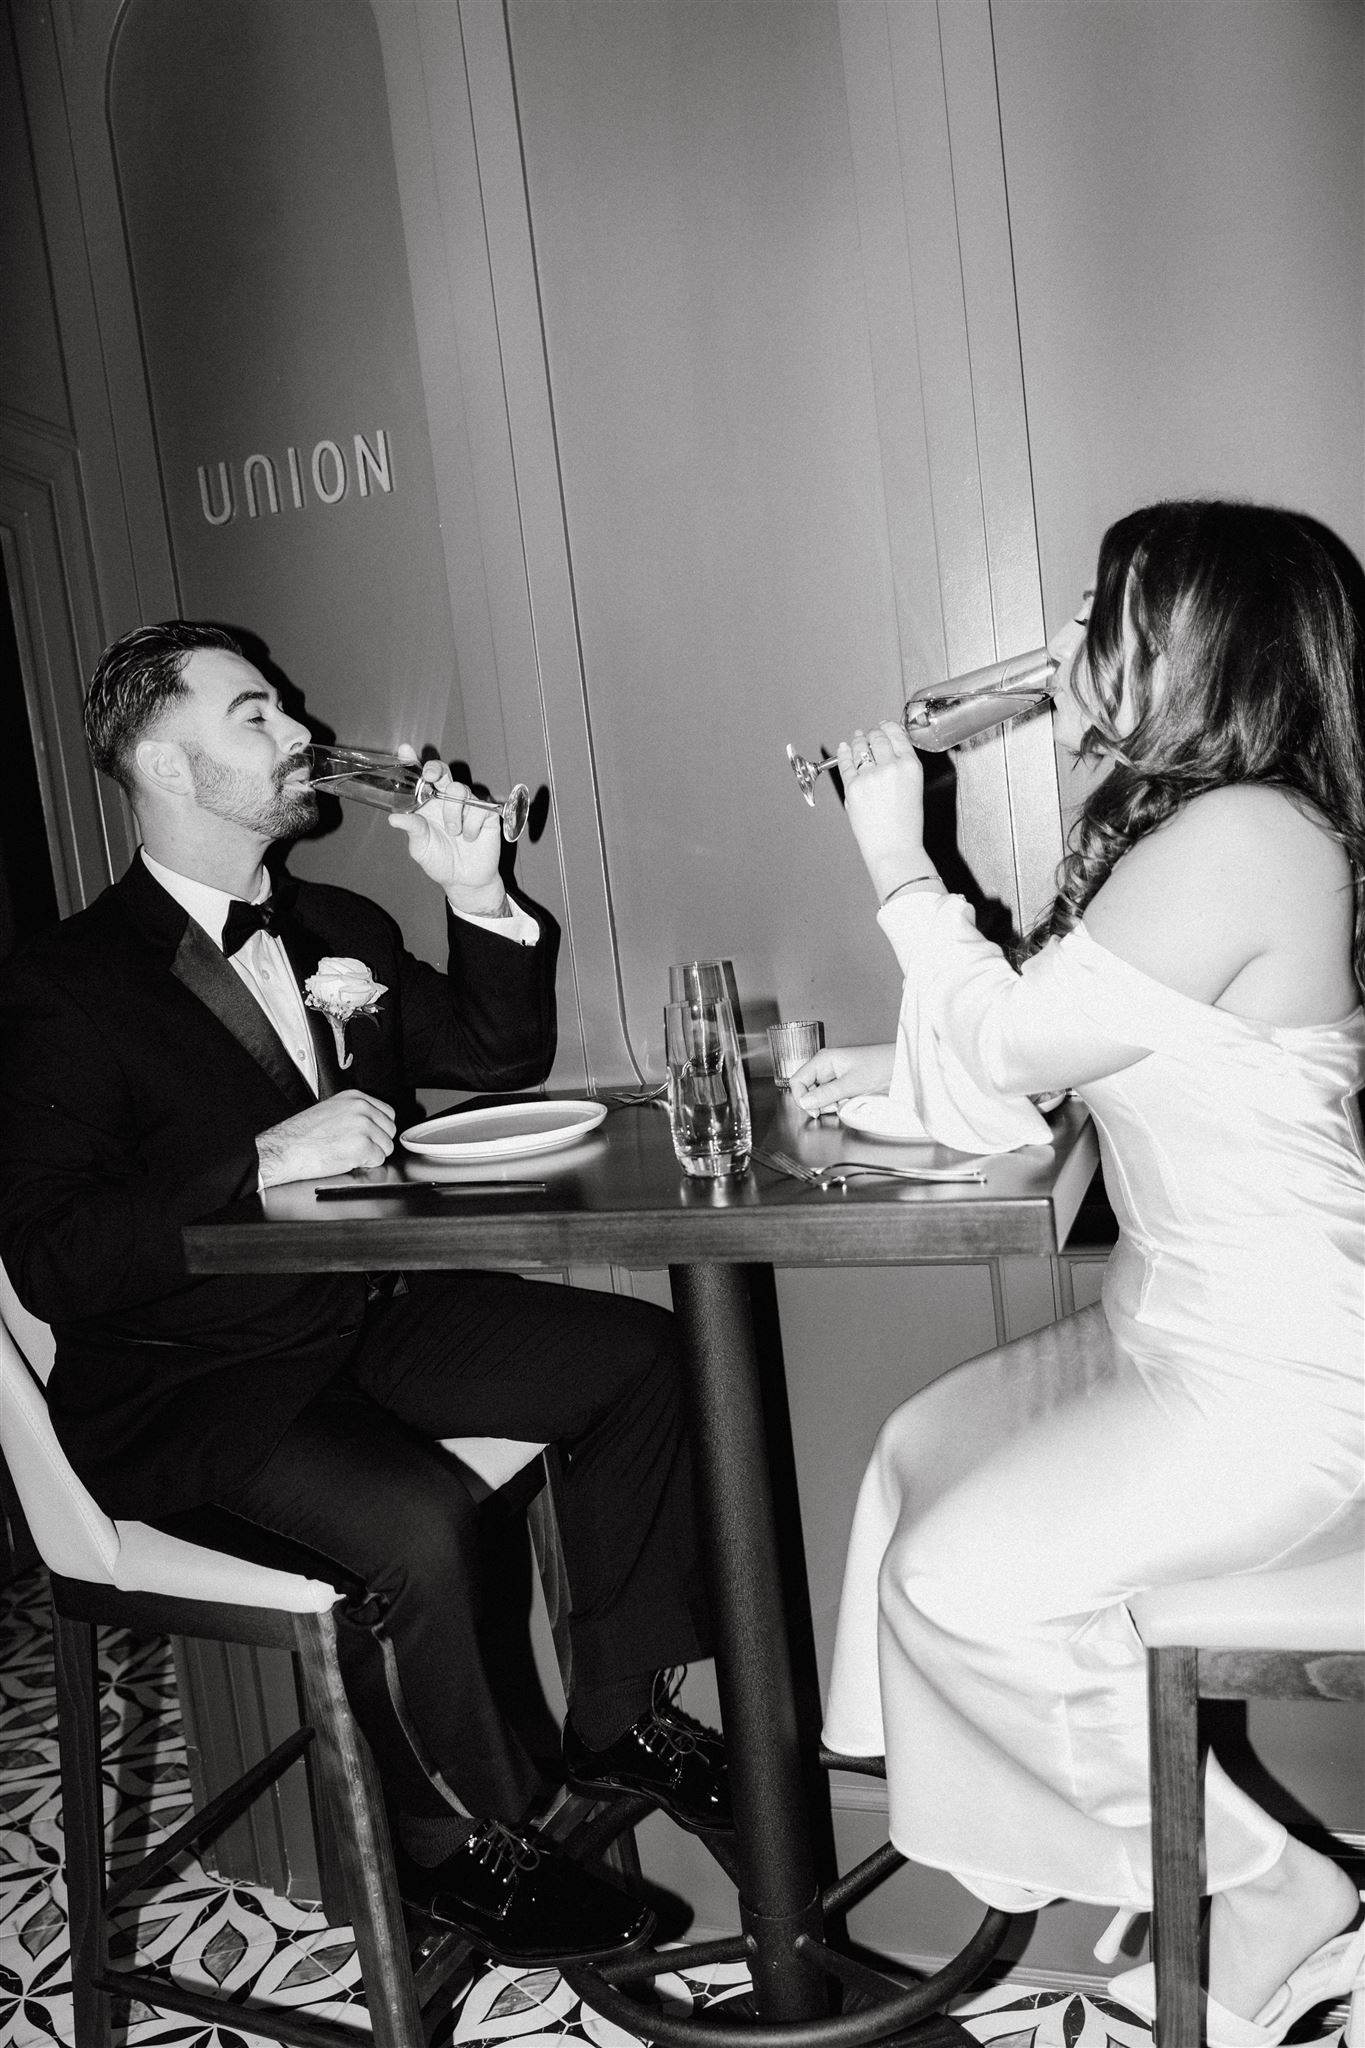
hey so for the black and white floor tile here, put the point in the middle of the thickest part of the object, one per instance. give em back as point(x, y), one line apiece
point(244, 1939)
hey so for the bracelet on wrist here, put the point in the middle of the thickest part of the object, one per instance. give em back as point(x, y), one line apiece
point(929, 875)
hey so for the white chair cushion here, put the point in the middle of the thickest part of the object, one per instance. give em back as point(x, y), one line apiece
point(1313, 1607)
point(149, 1561)
point(77, 1540)
point(495, 1459)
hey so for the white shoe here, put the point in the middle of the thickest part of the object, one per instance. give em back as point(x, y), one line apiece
point(1106, 1949)
point(1334, 1971)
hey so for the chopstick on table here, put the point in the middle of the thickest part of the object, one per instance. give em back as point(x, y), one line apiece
point(360, 1193)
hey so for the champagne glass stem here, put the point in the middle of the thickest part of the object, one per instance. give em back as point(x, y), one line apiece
point(472, 803)
point(512, 809)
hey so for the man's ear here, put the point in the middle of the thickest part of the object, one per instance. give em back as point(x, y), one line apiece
point(163, 766)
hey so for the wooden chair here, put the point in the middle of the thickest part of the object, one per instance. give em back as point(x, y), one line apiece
point(1234, 1639)
point(127, 1575)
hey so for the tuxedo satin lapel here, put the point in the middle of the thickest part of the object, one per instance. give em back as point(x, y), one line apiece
point(330, 1076)
point(202, 969)
point(304, 948)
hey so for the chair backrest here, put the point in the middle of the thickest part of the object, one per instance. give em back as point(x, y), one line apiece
point(75, 1537)
point(33, 1338)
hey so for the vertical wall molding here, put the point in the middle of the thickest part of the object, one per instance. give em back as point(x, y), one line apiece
point(56, 622)
point(551, 597)
point(64, 56)
point(924, 124)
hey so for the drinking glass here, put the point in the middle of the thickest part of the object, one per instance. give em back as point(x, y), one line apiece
point(708, 1100)
point(791, 1045)
point(389, 783)
point(692, 979)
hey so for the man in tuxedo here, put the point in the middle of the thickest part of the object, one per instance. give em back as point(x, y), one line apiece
point(158, 1061)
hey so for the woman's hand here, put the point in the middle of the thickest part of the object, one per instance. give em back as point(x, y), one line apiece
point(458, 847)
point(884, 795)
point(839, 1072)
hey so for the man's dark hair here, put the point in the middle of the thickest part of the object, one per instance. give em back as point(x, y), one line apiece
point(136, 676)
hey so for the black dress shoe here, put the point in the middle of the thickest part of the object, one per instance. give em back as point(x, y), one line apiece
point(666, 1755)
point(521, 1900)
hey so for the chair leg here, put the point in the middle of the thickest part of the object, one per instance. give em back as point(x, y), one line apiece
point(351, 1787)
point(1173, 1723)
point(78, 1735)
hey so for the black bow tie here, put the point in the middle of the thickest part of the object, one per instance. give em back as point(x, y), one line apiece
point(245, 918)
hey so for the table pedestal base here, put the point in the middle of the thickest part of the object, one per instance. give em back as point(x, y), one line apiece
point(770, 1856)
point(789, 1961)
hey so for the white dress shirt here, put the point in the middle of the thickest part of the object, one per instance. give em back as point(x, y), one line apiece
point(261, 962)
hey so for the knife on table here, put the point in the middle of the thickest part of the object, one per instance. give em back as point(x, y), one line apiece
point(430, 1187)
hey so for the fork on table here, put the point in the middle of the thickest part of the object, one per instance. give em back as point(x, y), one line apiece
point(844, 1170)
point(632, 1098)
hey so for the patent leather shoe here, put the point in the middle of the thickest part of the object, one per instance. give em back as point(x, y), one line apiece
point(666, 1756)
point(520, 1899)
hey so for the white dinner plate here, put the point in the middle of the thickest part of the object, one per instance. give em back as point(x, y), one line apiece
point(877, 1116)
point(510, 1130)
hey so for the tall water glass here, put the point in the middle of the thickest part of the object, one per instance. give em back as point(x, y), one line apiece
point(691, 979)
point(708, 1100)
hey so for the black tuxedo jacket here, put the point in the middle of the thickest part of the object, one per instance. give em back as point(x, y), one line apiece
point(136, 1071)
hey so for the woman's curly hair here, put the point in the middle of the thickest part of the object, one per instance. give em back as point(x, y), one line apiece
point(1262, 682)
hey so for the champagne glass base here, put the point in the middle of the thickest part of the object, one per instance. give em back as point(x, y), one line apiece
point(514, 812)
point(805, 772)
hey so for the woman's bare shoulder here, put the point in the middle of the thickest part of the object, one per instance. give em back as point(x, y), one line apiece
point(1238, 873)
point(1263, 830)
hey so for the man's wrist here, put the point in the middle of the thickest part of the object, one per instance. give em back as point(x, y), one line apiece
point(494, 902)
point(267, 1160)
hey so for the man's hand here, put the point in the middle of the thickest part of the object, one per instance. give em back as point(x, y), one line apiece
point(347, 1130)
point(884, 796)
point(839, 1072)
point(456, 845)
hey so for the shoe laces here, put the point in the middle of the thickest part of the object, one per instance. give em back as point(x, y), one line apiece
point(502, 1849)
point(680, 1730)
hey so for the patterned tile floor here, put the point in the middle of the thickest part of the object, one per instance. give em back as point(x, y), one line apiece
point(242, 1938)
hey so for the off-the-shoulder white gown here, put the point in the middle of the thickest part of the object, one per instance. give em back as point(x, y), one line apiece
point(1206, 1418)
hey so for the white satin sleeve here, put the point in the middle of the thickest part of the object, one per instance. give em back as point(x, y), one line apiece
point(975, 1039)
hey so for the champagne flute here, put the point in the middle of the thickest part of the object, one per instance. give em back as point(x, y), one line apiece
point(388, 782)
point(942, 715)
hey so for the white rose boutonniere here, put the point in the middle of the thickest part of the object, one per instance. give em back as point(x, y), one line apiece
point(342, 989)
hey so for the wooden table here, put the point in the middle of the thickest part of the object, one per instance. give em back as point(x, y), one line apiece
point(621, 1197)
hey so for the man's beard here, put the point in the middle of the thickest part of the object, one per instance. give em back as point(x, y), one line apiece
point(275, 811)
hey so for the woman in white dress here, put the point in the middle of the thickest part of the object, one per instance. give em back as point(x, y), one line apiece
point(1197, 985)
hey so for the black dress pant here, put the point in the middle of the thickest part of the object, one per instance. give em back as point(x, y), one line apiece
point(360, 1480)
